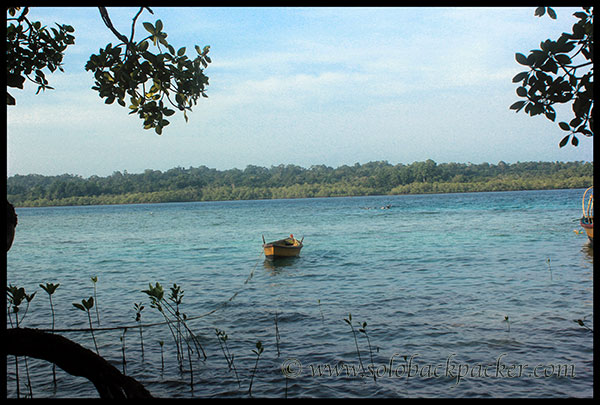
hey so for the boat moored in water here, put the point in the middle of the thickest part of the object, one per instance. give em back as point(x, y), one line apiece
point(288, 247)
point(587, 220)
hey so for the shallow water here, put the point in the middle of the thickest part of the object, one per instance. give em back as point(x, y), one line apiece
point(434, 277)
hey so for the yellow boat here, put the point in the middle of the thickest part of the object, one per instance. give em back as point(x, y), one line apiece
point(288, 247)
point(587, 220)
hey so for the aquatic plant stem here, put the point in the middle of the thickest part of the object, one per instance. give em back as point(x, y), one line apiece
point(191, 368)
point(138, 317)
point(222, 336)
point(162, 357)
point(321, 310)
point(95, 280)
point(349, 322)
point(277, 334)
point(50, 288)
point(28, 378)
point(53, 365)
point(17, 377)
point(364, 331)
point(123, 351)
point(258, 351)
point(92, 332)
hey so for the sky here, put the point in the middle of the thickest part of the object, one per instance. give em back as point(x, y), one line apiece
point(303, 86)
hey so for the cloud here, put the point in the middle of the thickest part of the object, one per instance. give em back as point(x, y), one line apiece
point(326, 85)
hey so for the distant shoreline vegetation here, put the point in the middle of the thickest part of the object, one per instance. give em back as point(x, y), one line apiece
point(291, 181)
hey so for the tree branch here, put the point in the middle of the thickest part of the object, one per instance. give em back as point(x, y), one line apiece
point(135, 19)
point(74, 359)
point(110, 26)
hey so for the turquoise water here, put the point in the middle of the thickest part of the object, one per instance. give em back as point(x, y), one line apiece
point(464, 295)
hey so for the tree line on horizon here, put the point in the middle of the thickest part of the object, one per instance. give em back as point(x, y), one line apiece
point(292, 181)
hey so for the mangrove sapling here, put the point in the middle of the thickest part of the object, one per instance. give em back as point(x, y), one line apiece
point(363, 330)
point(581, 323)
point(85, 306)
point(156, 295)
point(507, 323)
point(28, 379)
point(123, 351)
point(349, 322)
point(138, 318)
point(50, 288)
point(15, 297)
point(95, 280)
point(258, 352)
point(162, 357)
point(222, 336)
point(189, 349)
point(176, 296)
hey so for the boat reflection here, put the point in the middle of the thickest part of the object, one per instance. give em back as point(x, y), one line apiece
point(588, 250)
point(274, 265)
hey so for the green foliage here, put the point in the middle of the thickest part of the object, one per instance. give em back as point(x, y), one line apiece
point(138, 307)
point(291, 181)
point(259, 348)
point(156, 295)
point(151, 82)
point(85, 305)
point(147, 76)
point(95, 280)
point(31, 48)
point(16, 296)
point(507, 321)
point(257, 352)
point(229, 357)
point(561, 72)
point(50, 288)
point(176, 295)
point(581, 323)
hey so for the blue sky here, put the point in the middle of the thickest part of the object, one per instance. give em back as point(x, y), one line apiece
point(303, 86)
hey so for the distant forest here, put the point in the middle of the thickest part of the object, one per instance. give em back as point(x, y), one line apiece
point(291, 181)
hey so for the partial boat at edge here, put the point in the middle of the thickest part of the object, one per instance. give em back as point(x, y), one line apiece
point(587, 220)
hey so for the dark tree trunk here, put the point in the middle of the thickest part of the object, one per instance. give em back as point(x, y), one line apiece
point(74, 359)
point(11, 224)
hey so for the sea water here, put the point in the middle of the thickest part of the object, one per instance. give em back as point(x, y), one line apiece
point(447, 295)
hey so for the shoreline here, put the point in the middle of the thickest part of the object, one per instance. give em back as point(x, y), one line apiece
point(291, 182)
point(92, 199)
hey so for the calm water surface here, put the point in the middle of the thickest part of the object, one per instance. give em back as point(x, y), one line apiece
point(464, 295)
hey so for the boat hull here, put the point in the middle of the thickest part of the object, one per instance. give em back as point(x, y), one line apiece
point(588, 228)
point(282, 248)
